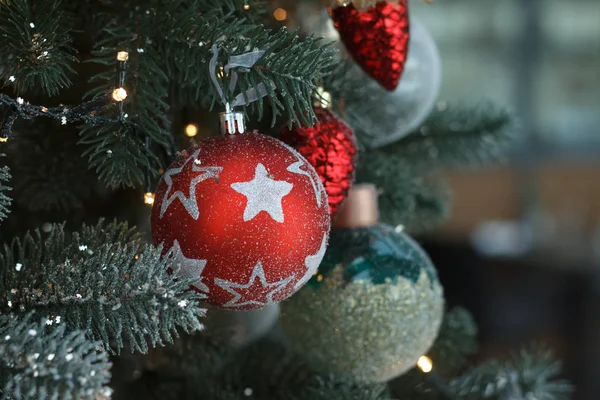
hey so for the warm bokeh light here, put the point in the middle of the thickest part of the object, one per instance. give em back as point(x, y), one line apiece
point(280, 14)
point(149, 198)
point(425, 364)
point(122, 56)
point(191, 130)
point(119, 94)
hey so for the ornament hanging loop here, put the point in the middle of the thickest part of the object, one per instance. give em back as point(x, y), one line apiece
point(232, 122)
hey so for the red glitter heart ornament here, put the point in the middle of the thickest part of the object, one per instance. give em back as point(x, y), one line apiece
point(377, 38)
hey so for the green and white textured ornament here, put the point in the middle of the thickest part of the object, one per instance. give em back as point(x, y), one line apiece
point(374, 306)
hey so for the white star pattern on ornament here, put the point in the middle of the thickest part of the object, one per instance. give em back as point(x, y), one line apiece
point(189, 268)
point(295, 169)
point(264, 194)
point(312, 263)
point(190, 203)
point(253, 293)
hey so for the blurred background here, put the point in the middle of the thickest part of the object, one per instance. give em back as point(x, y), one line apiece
point(522, 247)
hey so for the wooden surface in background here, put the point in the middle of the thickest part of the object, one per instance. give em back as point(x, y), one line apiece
point(568, 192)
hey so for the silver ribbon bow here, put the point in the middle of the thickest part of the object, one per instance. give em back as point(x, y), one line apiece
point(246, 60)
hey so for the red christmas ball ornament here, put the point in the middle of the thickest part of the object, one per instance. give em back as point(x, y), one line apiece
point(376, 38)
point(330, 147)
point(246, 218)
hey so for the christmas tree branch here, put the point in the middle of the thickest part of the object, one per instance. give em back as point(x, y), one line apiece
point(48, 172)
point(43, 362)
point(287, 69)
point(417, 202)
point(35, 46)
point(456, 137)
point(455, 343)
point(101, 280)
point(529, 374)
point(5, 200)
point(118, 151)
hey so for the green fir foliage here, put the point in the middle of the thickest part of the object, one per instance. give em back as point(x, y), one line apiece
point(5, 200)
point(530, 374)
point(457, 341)
point(35, 46)
point(49, 173)
point(412, 193)
point(42, 360)
point(102, 280)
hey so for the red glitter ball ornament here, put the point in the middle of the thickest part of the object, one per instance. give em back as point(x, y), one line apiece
point(377, 38)
point(330, 147)
point(245, 216)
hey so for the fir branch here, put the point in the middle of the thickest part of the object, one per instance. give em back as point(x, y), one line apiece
point(5, 200)
point(531, 374)
point(287, 69)
point(456, 341)
point(417, 202)
point(118, 154)
point(35, 46)
point(49, 174)
point(130, 161)
point(457, 137)
point(42, 362)
point(101, 280)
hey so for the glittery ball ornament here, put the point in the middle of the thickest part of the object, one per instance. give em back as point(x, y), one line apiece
point(373, 308)
point(330, 147)
point(377, 38)
point(245, 217)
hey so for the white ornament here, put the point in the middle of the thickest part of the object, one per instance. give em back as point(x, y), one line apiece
point(189, 267)
point(405, 109)
point(190, 202)
point(295, 168)
point(264, 194)
point(240, 299)
point(312, 263)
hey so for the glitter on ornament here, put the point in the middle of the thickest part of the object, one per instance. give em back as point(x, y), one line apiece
point(253, 295)
point(263, 194)
point(189, 268)
point(245, 229)
point(189, 201)
point(376, 38)
point(375, 305)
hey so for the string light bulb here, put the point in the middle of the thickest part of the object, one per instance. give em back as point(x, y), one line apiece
point(246, 6)
point(119, 94)
point(3, 139)
point(122, 56)
point(149, 198)
point(191, 130)
point(425, 364)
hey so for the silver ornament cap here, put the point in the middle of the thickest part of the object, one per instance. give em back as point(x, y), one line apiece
point(232, 122)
